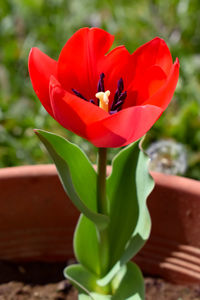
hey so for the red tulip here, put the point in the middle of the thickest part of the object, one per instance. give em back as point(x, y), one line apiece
point(134, 89)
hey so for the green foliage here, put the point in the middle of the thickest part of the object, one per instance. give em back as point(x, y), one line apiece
point(123, 287)
point(76, 175)
point(48, 24)
point(129, 180)
point(85, 281)
point(86, 245)
point(103, 258)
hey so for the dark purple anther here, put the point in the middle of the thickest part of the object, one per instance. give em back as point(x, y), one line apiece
point(123, 96)
point(120, 86)
point(115, 97)
point(78, 94)
point(112, 112)
point(118, 104)
point(100, 86)
point(119, 97)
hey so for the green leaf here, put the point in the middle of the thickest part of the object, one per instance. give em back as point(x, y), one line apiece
point(145, 185)
point(94, 297)
point(86, 245)
point(123, 200)
point(128, 188)
point(86, 283)
point(130, 283)
point(77, 175)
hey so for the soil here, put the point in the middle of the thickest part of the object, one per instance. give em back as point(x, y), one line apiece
point(42, 281)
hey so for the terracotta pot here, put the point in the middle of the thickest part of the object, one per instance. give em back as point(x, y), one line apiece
point(37, 221)
point(173, 250)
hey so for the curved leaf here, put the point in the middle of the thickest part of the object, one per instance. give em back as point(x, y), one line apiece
point(131, 286)
point(140, 186)
point(86, 246)
point(93, 296)
point(145, 185)
point(86, 283)
point(128, 284)
point(76, 174)
point(123, 200)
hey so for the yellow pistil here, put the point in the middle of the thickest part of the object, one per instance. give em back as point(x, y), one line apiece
point(103, 99)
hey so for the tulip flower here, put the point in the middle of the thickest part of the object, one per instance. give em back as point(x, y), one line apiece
point(109, 98)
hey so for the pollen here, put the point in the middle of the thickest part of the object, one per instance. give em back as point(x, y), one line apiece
point(103, 99)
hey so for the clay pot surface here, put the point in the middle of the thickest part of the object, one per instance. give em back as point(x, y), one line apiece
point(37, 222)
point(173, 250)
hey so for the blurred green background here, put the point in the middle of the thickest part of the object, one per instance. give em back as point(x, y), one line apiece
point(48, 24)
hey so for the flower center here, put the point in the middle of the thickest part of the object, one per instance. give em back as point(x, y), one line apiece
point(103, 96)
point(103, 99)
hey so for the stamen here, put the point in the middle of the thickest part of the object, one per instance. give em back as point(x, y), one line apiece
point(119, 97)
point(112, 112)
point(103, 96)
point(78, 94)
point(104, 100)
point(118, 104)
point(123, 96)
point(100, 86)
point(120, 85)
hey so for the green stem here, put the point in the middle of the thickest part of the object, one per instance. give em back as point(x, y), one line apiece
point(103, 209)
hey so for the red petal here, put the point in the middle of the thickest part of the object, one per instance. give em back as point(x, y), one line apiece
point(164, 95)
point(153, 79)
point(124, 127)
point(152, 53)
point(155, 52)
point(79, 59)
point(72, 112)
point(41, 67)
